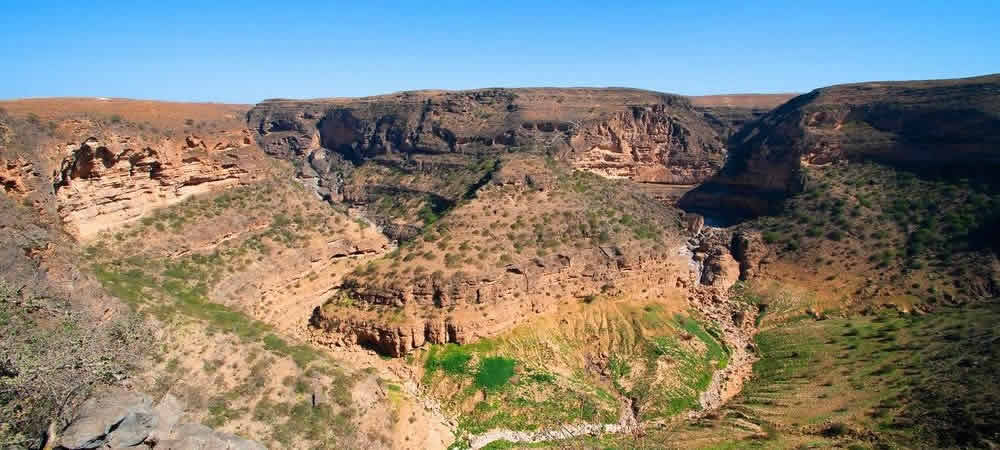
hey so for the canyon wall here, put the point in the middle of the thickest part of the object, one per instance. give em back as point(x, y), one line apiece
point(100, 173)
point(429, 143)
point(105, 183)
point(924, 125)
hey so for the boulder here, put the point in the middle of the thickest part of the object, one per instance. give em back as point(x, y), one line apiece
point(128, 412)
point(720, 269)
point(121, 419)
point(168, 412)
point(750, 250)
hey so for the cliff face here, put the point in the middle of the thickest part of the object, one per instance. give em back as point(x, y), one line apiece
point(921, 125)
point(105, 183)
point(96, 172)
point(478, 121)
point(650, 144)
point(535, 236)
point(432, 146)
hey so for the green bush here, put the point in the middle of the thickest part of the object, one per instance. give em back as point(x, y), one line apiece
point(494, 372)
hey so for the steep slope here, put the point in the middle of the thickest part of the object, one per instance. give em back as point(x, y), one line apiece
point(886, 380)
point(936, 124)
point(576, 302)
point(65, 341)
point(214, 250)
point(883, 192)
point(421, 151)
point(536, 235)
point(110, 162)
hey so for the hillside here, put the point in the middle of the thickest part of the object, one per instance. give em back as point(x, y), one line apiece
point(399, 154)
point(151, 247)
point(918, 125)
point(537, 234)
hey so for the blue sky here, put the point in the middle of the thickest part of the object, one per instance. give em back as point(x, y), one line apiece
point(247, 51)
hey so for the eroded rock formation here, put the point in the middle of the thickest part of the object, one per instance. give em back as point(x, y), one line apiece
point(105, 183)
point(432, 145)
point(463, 310)
point(649, 144)
point(579, 250)
point(922, 125)
point(17, 176)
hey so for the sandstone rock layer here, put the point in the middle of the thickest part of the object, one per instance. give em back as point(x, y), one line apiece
point(921, 125)
point(105, 183)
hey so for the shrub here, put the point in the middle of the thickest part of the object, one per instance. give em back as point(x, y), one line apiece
point(494, 372)
point(87, 353)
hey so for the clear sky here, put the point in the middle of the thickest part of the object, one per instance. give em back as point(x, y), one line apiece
point(247, 51)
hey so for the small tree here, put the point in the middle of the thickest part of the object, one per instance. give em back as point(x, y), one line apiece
point(49, 367)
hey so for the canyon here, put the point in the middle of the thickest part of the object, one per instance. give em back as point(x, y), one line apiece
point(582, 266)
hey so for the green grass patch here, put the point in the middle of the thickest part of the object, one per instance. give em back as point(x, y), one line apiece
point(450, 358)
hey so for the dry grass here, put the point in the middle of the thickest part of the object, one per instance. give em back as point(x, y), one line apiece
point(157, 113)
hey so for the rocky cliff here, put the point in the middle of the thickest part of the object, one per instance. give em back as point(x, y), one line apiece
point(104, 172)
point(537, 235)
point(105, 183)
point(913, 124)
point(432, 146)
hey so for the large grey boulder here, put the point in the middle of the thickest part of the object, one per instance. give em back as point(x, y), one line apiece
point(168, 412)
point(102, 415)
point(127, 420)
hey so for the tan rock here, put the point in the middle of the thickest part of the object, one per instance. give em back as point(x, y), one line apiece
point(104, 184)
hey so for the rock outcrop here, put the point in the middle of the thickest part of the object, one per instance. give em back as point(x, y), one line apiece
point(18, 176)
point(429, 149)
point(749, 249)
point(107, 182)
point(486, 121)
point(648, 144)
point(124, 419)
point(500, 258)
point(923, 125)
point(403, 317)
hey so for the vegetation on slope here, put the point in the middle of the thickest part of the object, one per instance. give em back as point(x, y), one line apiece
point(891, 235)
point(51, 360)
point(265, 384)
point(886, 380)
point(557, 210)
point(606, 358)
